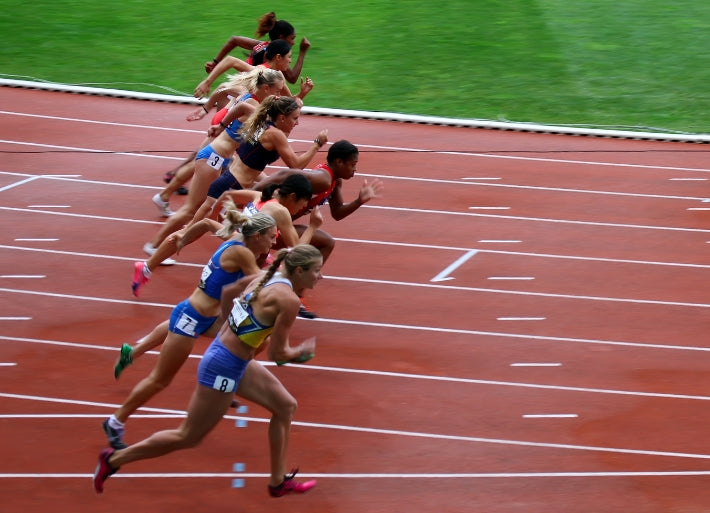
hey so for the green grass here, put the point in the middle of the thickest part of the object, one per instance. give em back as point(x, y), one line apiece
point(628, 63)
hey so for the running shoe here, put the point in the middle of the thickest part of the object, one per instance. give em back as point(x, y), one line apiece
point(183, 191)
point(289, 485)
point(141, 276)
point(169, 176)
point(103, 470)
point(114, 436)
point(305, 313)
point(149, 250)
point(299, 359)
point(163, 206)
point(124, 360)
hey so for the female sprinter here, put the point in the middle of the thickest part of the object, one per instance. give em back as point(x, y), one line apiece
point(215, 157)
point(198, 314)
point(267, 308)
point(277, 29)
point(280, 201)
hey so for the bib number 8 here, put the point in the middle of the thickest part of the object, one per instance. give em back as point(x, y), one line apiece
point(224, 384)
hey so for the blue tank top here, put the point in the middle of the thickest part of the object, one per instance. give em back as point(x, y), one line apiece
point(214, 278)
point(233, 128)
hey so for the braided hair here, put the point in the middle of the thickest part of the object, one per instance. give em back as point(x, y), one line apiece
point(301, 255)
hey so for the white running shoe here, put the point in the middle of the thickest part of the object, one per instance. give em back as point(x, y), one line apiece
point(149, 250)
point(163, 206)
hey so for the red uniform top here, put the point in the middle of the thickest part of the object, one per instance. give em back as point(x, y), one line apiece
point(319, 199)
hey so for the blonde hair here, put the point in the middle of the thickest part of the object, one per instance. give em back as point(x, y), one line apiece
point(301, 255)
point(251, 81)
point(237, 220)
point(269, 109)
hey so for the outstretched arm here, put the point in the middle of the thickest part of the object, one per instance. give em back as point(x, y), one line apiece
point(279, 142)
point(233, 42)
point(368, 191)
point(203, 88)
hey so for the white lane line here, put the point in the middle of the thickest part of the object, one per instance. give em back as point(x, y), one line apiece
point(396, 432)
point(499, 241)
point(491, 475)
point(481, 178)
point(502, 278)
point(489, 208)
point(688, 179)
point(21, 182)
point(48, 206)
point(521, 318)
point(8, 364)
point(550, 416)
point(36, 240)
point(22, 276)
point(536, 364)
point(15, 318)
point(367, 372)
point(444, 275)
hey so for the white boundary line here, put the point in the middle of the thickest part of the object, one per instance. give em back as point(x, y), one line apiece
point(386, 116)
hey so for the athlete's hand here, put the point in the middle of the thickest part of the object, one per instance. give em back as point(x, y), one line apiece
point(316, 219)
point(371, 190)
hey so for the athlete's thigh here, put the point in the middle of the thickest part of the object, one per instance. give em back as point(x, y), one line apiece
point(173, 354)
point(262, 387)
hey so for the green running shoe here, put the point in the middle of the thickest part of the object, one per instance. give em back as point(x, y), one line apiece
point(124, 360)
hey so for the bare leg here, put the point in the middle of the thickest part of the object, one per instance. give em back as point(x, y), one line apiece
point(323, 241)
point(204, 176)
point(182, 175)
point(206, 408)
point(263, 388)
point(173, 355)
point(151, 340)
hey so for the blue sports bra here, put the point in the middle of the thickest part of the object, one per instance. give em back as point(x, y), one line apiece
point(214, 278)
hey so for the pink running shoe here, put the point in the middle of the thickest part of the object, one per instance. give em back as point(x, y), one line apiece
point(289, 485)
point(103, 470)
point(141, 276)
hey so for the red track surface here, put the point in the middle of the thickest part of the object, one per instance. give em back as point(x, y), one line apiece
point(588, 261)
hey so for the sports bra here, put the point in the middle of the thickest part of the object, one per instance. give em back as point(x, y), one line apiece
point(213, 277)
point(249, 330)
point(233, 128)
point(255, 156)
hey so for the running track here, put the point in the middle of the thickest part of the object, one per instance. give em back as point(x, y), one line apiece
point(519, 324)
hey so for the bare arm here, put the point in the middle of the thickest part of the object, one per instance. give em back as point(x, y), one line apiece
point(203, 88)
point(279, 348)
point(368, 191)
point(278, 141)
point(233, 42)
point(292, 74)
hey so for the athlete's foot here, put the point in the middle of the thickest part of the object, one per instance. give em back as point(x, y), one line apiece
point(141, 276)
point(290, 486)
point(124, 360)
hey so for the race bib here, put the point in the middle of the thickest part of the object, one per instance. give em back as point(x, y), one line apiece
point(224, 384)
point(215, 161)
point(238, 313)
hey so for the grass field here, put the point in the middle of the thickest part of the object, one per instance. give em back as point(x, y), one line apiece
point(610, 64)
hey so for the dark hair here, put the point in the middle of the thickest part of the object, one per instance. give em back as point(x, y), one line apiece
point(296, 184)
point(341, 150)
point(278, 47)
point(276, 29)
